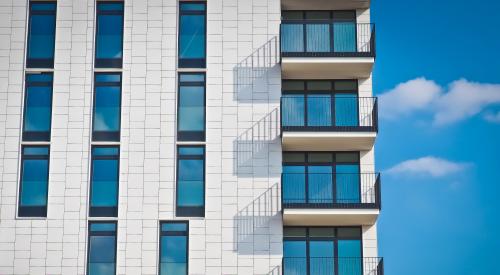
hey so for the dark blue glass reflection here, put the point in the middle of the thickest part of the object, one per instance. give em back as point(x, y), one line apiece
point(322, 178)
point(191, 116)
point(102, 248)
point(37, 107)
point(173, 248)
point(41, 35)
point(34, 181)
point(192, 35)
point(191, 181)
point(337, 105)
point(104, 181)
point(107, 107)
point(322, 251)
point(109, 35)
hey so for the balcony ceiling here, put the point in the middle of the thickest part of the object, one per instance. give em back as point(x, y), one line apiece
point(329, 141)
point(330, 217)
point(324, 4)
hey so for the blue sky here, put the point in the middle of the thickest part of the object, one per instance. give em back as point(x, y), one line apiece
point(439, 140)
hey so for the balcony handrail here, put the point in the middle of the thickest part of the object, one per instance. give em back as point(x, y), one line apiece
point(366, 195)
point(305, 42)
point(355, 265)
point(362, 117)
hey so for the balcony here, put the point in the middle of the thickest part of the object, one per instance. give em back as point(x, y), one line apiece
point(322, 199)
point(326, 122)
point(332, 266)
point(325, 49)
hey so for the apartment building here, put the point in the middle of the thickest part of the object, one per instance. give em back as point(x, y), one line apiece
point(188, 137)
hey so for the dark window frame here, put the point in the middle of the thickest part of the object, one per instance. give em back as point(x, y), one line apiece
point(35, 62)
point(104, 233)
point(174, 233)
point(108, 62)
point(194, 211)
point(107, 135)
point(32, 135)
point(108, 211)
point(332, 164)
point(307, 239)
point(192, 135)
point(198, 63)
point(33, 211)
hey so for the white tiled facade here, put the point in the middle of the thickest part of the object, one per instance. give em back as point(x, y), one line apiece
point(241, 232)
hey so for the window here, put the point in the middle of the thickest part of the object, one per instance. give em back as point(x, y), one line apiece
point(322, 104)
point(322, 251)
point(41, 35)
point(192, 34)
point(174, 239)
point(190, 181)
point(191, 115)
point(109, 35)
point(104, 181)
point(37, 107)
point(107, 107)
point(321, 178)
point(102, 248)
point(34, 181)
point(319, 31)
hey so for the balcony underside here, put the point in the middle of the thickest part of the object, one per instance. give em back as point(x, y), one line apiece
point(329, 217)
point(328, 141)
point(324, 4)
point(326, 67)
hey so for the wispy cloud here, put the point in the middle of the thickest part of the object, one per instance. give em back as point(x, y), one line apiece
point(462, 99)
point(492, 117)
point(428, 166)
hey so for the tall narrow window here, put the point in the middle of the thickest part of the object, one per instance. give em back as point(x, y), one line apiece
point(104, 181)
point(41, 34)
point(107, 107)
point(191, 115)
point(190, 181)
point(34, 181)
point(174, 239)
point(192, 34)
point(37, 107)
point(109, 32)
point(102, 248)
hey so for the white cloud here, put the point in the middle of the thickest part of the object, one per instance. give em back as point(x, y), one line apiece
point(492, 117)
point(408, 97)
point(428, 166)
point(461, 100)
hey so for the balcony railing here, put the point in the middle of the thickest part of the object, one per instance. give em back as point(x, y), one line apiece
point(331, 190)
point(320, 38)
point(328, 113)
point(332, 266)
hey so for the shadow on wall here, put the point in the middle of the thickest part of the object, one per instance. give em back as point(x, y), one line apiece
point(254, 224)
point(251, 76)
point(275, 271)
point(252, 147)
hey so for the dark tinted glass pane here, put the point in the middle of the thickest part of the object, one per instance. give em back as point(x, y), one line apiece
point(294, 184)
point(344, 16)
point(347, 157)
point(192, 37)
point(174, 227)
point(173, 255)
point(318, 15)
point(109, 42)
point(322, 232)
point(320, 157)
point(191, 108)
point(292, 15)
point(34, 182)
point(292, 37)
point(294, 157)
point(349, 262)
point(191, 151)
point(105, 151)
point(102, 227)
point(102, 249)
point(104, 183)
point(318, 37)
point(38, 107)
point(294, 249)
point(346, 85)
point(190, 183)
point(292, 85)
point(319, 110)
point(36, 150)
point(294, 232)
point(293, 110)
point(321, 261)
point(107, 108)
point(319, 85)
point(41, 35)
point(349, 232)
point(192, 77)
